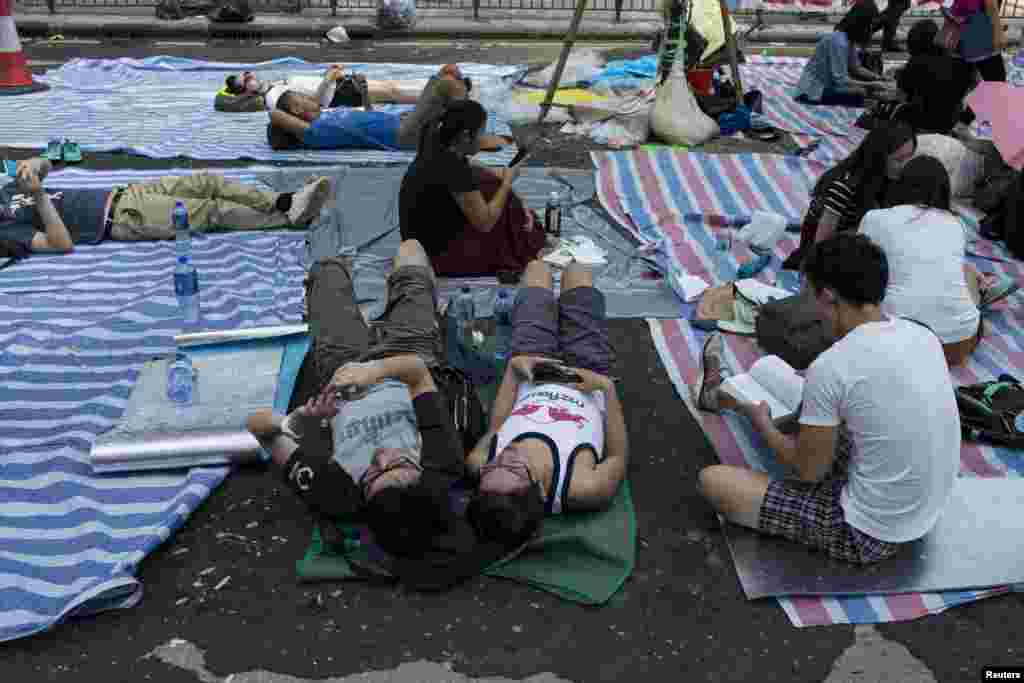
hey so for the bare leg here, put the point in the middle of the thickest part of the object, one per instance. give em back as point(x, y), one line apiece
point(575, 276)
point(538, 274)
point(736, 493)
point(972, 276)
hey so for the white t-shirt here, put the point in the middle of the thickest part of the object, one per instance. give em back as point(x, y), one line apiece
point(925, 250)
point(888, 383)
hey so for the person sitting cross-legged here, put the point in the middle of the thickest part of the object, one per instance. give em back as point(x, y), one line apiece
point(551, 447)
point(391, 454)
point(878, 443)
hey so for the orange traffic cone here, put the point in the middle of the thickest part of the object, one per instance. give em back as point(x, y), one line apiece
point(15, 78)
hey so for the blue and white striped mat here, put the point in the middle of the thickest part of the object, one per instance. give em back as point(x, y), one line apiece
point(162, 107)
point(74, 331)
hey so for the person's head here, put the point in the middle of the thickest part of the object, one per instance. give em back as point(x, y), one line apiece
point(244, 83)
point(459, 127)
point(509, 505)
point(847, 273)
point(922, 37)
point(879, 158)
point(923, 182)
point(857, 24)
point(452, 72)
point(405, 521)
point(390, 468)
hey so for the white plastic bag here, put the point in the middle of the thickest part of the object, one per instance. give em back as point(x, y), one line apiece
point(676, 118)
point(966, 168)
point(763, 231)
point(396, 14)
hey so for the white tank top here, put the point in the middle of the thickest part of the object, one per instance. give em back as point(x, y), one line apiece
point(564, 418)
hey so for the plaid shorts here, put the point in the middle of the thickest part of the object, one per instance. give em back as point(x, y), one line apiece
point(810, 513)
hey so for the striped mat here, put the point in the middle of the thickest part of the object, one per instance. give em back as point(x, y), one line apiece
point(653, 193)
point(162, 107)
point(75, 330)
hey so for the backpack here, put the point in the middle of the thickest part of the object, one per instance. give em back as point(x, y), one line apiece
point(992, 412)
point(793, 329)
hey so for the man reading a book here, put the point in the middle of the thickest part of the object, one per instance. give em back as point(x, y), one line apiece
point(878, 442)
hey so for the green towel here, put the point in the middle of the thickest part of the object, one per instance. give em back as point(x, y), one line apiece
point(582, 557)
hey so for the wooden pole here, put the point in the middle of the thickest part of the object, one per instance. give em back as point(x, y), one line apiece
point(570, 38)
point(730, 48)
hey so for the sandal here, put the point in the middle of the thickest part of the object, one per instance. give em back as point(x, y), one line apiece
point(53, 151)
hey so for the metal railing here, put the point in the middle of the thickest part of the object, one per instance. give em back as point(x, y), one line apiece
point(760, 17)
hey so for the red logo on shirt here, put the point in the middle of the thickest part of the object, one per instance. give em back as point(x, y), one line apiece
point(549, 415)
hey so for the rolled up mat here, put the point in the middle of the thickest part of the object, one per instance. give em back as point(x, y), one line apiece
point(174, 451)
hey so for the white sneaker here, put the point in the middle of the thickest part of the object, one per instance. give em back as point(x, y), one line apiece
point(307, 202)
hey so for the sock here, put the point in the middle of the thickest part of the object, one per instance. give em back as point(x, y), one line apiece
point(284, 202)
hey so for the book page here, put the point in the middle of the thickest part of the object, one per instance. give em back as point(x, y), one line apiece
point(755, 290)
point(779, 378)
point(746, 388)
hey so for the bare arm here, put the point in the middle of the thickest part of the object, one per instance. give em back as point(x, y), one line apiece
point(505, 399)
point(998, 35)
point(56, 236)
point(595, 485)
point(409, 369)
point(827, 225)
point(810, 452)
point(482, 214)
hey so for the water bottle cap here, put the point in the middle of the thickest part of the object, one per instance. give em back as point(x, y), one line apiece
point(183, 259)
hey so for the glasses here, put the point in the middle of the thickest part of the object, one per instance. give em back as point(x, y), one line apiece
point(399, 463)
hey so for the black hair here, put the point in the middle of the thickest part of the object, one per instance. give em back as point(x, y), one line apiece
point(868, 164)
point(458, 117)
point(851, 265)
point(284, 101)
point(233, 85)
point(921, 38)
point(858, 23)
point(923, 182)
point(508, 519)
point(405, 520)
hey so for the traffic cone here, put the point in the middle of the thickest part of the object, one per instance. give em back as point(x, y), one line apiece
point(15, 78)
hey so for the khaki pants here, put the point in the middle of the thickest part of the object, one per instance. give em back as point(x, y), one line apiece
point(213, 203)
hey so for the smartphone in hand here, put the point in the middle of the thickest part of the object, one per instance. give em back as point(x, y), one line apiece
point(544, 373)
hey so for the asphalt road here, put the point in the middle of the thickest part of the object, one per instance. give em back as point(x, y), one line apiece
point(682, 615)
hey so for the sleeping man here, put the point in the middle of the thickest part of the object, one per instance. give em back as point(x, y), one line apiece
point(300, 121)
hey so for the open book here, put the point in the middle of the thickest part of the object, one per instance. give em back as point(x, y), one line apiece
point(773, 381)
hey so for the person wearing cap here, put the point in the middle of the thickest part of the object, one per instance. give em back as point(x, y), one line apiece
point(55, 221)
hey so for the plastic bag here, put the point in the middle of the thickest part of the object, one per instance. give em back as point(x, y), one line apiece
point(396, 14)
point(676, 118)
point(582, 66)
point(763, 231)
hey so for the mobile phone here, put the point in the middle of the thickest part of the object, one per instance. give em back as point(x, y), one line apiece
point(552, 372)
point(523, 151)
point(11, 167)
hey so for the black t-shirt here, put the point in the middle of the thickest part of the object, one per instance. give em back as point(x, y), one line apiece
point(937, 86)
point(427, 208)
point(81, 210)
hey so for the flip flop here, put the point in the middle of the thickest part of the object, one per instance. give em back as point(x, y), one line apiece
point(998, 291)
point(71, 152)
point(53, 150)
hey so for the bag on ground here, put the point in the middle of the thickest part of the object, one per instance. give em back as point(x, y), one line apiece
point(793, 330)
point(992, 412)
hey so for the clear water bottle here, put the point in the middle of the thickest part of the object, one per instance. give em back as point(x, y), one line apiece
point(465, 317)
point(186, 289)
point(182, 233)
point(503, 304)
point(553, 215)
point(181, 379)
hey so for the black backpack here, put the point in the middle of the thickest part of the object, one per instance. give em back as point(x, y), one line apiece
point(992, 412)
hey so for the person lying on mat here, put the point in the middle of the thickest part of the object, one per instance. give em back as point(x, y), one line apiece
point(924, 245)
point(58, 220)
point(834, 75)
point(467, 216)
point(245, 92)
point(854, 186)
point(555, 443)
point(878, 441)
point(298, 121)
point(392, 449)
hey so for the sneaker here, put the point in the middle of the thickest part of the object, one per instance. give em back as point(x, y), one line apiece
point(998, 289)
point(307, 202)
point(713, 372)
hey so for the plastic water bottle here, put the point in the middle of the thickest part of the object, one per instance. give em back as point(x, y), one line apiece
point(180, 379)
point(186, 279)
point(502, 323)
point(465, 318)
point(182, 233)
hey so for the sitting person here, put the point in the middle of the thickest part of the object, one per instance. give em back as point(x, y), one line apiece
point(467, 217)
point(297, 120)
point(834, 75)
point(245, 92)
point(878, 443)
point(924, 244)
point(56, 221)
point(854, 186)
point(982, 49)
point(394, 446)
point(551, 447)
